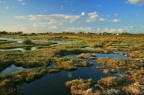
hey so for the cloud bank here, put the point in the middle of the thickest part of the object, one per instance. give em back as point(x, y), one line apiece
point(136, 2)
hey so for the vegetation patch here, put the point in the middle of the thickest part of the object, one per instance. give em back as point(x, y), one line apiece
point(8, 82)
point(119, 64)
point(70, 64)
point(86, 56)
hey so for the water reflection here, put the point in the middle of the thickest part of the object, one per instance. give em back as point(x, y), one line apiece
point(121, 52)
point(69, 74)
point(20, 49)
point(54, 84)
point(111, 56)
point(33, 41)
point(21, 40)
point(11, 69)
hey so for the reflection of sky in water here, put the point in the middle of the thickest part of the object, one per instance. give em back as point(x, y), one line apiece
point(20, 49)
point(33, 48)
point(11, 69)
point(99, 55)
point(14, 49)
point(21, 40)
point(51, 82)
point(111, 56)
point(69, 74)
point(121, 52)
point(54, 84)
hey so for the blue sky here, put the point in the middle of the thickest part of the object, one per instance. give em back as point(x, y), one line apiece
point(72, 15)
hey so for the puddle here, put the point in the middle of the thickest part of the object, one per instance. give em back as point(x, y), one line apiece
point(14, 49)
point(11, 69)
point(19, 49)
point(100, 55)
point(33, 48)
point(21, 41)
point(11, 39)
point(111, 56)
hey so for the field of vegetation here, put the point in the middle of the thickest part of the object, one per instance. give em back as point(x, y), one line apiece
point(84, 47)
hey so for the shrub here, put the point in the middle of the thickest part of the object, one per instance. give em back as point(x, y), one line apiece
point(27, 42)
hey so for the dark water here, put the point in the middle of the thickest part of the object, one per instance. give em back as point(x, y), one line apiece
point(54, 84)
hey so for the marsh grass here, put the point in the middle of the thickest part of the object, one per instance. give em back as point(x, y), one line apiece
point(26, 45)
point(40, 59)
point(5, 41)
point(120, 64)
point(70, 64)
point(9, 83)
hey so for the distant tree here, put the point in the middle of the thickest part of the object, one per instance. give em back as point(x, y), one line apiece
point(3, 32)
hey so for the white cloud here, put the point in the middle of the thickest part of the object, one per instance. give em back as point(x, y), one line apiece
point(92, 17)
point(116, 20)
point(52, 27)
point(136, 1)
point(114, 30)
point(78, 29)
point(53, 18)
point(83, 13)
point(102, 19)
point(22, 2)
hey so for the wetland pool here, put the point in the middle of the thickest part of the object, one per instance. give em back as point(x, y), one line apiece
point(54, 84)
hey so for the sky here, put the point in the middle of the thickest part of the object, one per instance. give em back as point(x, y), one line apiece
point(40, 16)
